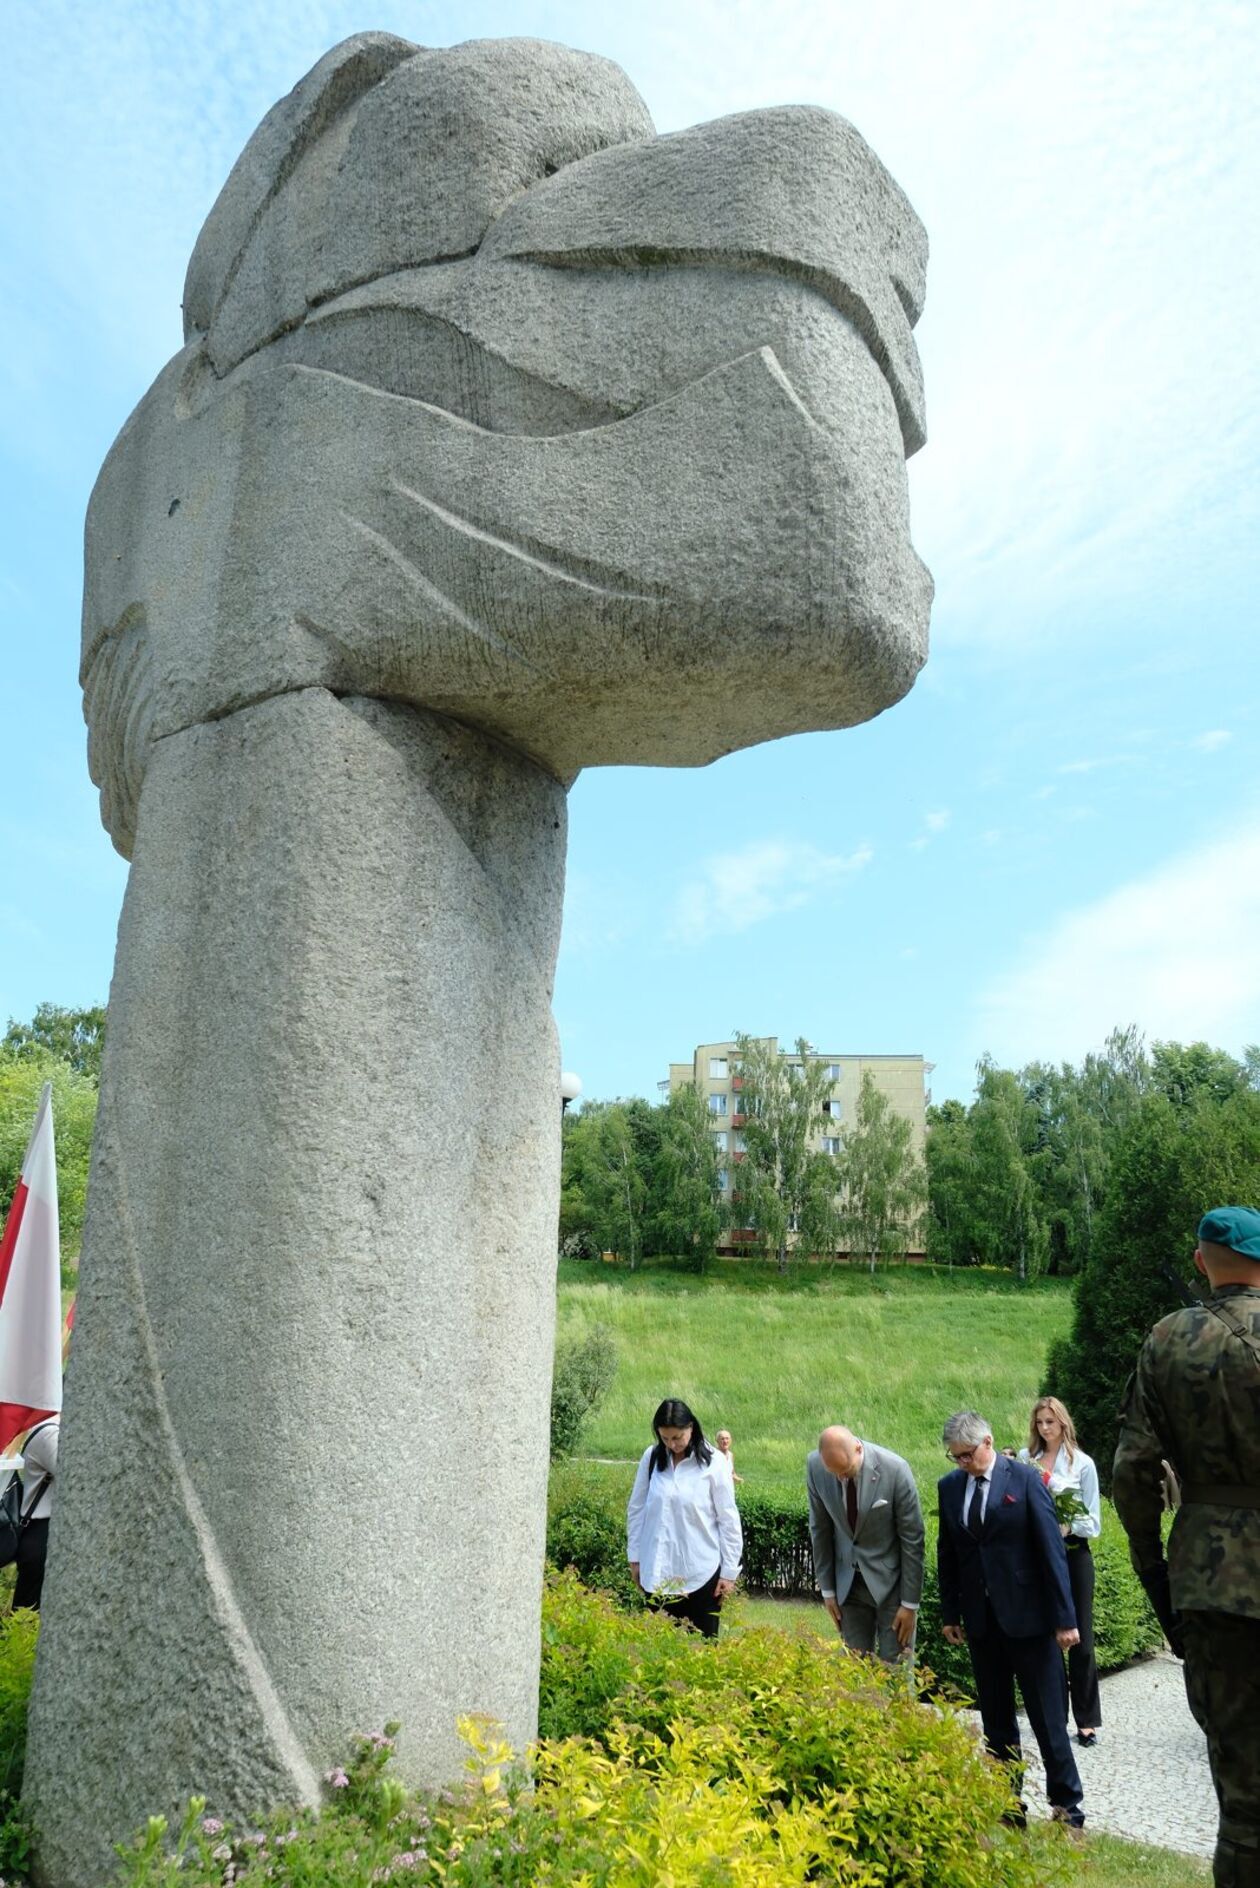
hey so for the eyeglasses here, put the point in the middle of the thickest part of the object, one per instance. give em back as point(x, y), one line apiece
point(962, 1455)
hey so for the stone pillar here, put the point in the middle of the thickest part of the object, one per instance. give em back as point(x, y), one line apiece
point(307, 1402)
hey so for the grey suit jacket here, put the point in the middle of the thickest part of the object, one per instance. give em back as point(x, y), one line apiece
point(888, 1543)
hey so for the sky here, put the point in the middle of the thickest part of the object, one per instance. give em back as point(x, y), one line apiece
point(1058, 831)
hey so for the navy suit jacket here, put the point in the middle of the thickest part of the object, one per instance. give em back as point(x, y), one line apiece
point(1017, 1571)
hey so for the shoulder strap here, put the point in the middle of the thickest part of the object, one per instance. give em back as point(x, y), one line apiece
point(28, 1507)
point(1234, 1324)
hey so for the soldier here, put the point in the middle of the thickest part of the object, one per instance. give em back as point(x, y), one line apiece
point(1194, 1400)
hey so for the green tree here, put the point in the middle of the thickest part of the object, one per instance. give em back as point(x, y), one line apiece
point(780, 1181)
point(604, 1186)
point(1186, 1071)
point(689, 1212)
point(1010, 1225)
point(950, 1161)
point(76, 1036)
point(22, 1076)
point(1172, 1163)
point(884, 1187)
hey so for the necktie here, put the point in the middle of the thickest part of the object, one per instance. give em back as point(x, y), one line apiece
point(975, 1513)
point(850, 1503)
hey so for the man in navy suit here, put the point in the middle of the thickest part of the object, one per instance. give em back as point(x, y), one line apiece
point(1003, 1577)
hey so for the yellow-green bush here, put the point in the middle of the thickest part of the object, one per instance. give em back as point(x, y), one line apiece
point(755, 1762)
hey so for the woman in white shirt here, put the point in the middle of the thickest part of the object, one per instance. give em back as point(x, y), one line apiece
point(684, 1541)
point(1053, 1448)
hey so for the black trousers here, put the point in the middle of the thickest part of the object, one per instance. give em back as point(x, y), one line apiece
point(700, 1608)
point(31, 1555)
point(1081, 1663)
point(1223, 1690)
point(997, 1661)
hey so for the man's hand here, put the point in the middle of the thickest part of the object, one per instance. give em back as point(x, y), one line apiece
point(903, 1625)
point(1067, 1636)
point(634, 1568)
point(954, 1635)
point(833, 1607)
point(1158, 1592)
point(721, 1590)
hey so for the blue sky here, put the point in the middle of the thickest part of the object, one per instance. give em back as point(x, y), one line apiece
point(1058, 830)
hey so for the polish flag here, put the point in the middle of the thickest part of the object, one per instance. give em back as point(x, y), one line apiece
point(30, 1289)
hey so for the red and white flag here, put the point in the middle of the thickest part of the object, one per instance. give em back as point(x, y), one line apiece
point(30, 1289)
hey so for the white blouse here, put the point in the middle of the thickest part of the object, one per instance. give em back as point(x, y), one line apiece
point(682, 1524)
point(1081, 1477)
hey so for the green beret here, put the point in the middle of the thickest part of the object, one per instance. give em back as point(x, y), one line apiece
point(1237, 1227)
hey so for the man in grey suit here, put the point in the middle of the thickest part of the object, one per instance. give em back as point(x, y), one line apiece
point(866, 1527)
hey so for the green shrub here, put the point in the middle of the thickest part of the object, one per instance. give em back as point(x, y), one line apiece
point(755, 1762)
point(777, 1555)
point(18, 1635)
point(586, 1527)
point(581, 1378)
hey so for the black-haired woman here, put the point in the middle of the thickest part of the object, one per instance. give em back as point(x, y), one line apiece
point(683, 1535)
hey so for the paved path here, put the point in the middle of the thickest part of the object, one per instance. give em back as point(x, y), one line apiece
point(1147, 1777)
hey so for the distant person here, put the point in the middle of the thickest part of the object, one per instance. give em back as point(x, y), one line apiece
point(684, 1540)
point(1194, 1402)
point(1006, 1594)
point(866, 1531)
point(39, 1472)
point(722, 1442)
point(1053, 1448)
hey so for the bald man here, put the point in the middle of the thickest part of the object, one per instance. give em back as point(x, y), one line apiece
point(866, 1528)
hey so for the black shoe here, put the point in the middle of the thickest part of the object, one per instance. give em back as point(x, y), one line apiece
point(1016, 1818)
point(1072, 1820)
point(1087, 1739)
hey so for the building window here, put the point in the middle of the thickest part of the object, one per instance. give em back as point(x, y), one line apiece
point(722, 1179)
point(737, 1143)
point(831, 1143)
point(719, 1143)
point(833, 1071)
point(717, 1104)
point(718, 1069)
point(832, 1107)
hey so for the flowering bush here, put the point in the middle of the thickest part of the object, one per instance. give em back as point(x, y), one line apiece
point(755, 1762)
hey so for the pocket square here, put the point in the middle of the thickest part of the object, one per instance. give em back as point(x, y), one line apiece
point(1009, 1500)
point(881, 1503)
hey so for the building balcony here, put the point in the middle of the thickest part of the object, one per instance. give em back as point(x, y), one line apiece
point(742, 1236)
point(737, 1082)
point(738, 1159)
point(738, 1120)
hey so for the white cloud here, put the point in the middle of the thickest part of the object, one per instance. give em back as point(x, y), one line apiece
point(1173, 952)
point(1209, 742)
point(938, 821)
point(765, 878)
point(1092, 766)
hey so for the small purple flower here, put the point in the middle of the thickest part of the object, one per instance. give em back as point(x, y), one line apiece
point(211, 1826)
point(407, 1859)
point(222, 1854)
point(337, 1778)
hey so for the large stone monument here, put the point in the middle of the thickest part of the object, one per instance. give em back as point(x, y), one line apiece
point(508, 439)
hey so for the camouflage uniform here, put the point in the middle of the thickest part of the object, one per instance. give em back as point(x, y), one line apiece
point(1194, 1399)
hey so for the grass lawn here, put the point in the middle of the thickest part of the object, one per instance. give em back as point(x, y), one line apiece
point(774, 1359)
point(1107, 1862)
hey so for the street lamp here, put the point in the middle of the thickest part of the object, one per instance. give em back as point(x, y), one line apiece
point(570, 1088)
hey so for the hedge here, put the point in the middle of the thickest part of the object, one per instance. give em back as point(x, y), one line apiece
point(586, 1531)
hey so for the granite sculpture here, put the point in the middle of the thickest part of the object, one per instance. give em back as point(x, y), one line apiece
point(508, 438)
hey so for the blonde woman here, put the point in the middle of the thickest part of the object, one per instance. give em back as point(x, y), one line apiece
point(1053, 1448)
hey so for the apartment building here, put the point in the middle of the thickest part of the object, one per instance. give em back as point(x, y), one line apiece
point(714, 1070)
